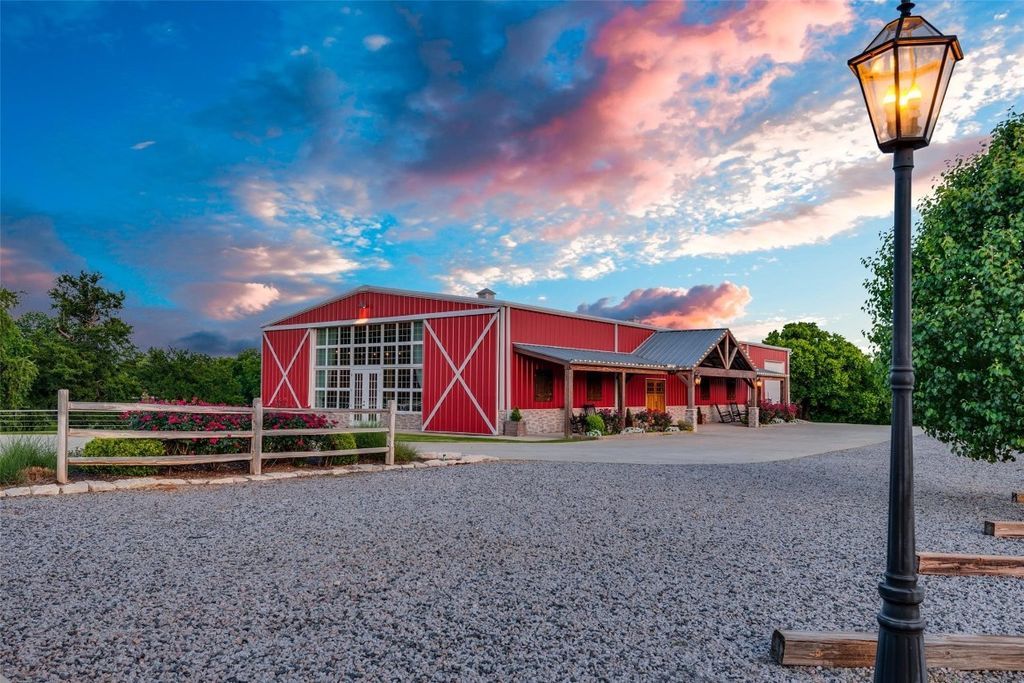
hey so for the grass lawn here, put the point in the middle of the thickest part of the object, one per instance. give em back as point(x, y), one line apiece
point(447, 438)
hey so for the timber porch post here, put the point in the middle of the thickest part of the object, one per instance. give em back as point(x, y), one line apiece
point(620, 398)
point(568, 401)
point(691, 397)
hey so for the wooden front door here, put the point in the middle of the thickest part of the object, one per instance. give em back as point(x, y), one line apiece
point(656, 394)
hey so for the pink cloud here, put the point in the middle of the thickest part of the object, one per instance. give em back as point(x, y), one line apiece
point(634, 140)
point(233, 300)
point(697, 307)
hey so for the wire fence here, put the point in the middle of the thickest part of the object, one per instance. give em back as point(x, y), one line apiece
point(15, 422)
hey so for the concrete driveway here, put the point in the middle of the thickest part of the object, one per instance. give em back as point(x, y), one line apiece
point(711, 444)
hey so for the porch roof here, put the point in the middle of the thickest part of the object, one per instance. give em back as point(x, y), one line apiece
point(605, 359)
point(681, 348)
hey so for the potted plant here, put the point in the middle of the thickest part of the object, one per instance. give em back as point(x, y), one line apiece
point(514, 425)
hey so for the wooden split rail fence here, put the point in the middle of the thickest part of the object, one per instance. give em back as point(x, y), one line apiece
point(255, 434)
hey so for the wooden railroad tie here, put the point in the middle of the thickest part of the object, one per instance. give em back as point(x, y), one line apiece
point(1005, 529)
point(954, 564)
point(847, 649)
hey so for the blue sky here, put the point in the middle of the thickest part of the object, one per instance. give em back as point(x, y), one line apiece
point(692, 165)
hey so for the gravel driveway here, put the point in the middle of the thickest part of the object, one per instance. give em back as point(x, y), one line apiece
point(505, 571)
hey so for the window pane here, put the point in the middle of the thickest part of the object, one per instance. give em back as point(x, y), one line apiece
point(417, 354)
point(388, 396)
point(332, 356)
point(332, 379)
point(332, 336)
point(705, 390)
point(543, 385)
point(346, 335)
point(417, 379)
point(390, 355)
point(332, 399)
point(373, 334)
point(359, 355)
point(595, 388)
point(404, 379)
point(417, 402)
point(390, 332)
point(343, 400)
point(344, 378)
point(344, 356)
point(403, 401)
point(321, 336)
point(359, 335)
point(389, 378)
point(319, 399)
point(404, 332)
point(404, 355)
point(320, 379)
point(321, 356)
point(417, 331)
point(373, 355)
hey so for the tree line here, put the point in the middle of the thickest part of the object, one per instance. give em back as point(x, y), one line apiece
point(84, 346)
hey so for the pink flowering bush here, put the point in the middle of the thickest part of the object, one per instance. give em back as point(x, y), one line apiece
point(653, 420)
point(230, 422)
point(769, 411)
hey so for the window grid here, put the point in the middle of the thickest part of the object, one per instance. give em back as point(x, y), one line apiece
point(396, 347)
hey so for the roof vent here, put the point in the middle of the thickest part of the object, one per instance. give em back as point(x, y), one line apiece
point(485, 294)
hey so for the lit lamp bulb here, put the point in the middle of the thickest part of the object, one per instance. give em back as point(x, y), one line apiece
point(910, 110)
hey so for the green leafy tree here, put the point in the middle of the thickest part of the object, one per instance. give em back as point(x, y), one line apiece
point(180, 374)
point(247, 371)
point(968, 324)
point(830, 378)
point(17, 370)
point(85, 347)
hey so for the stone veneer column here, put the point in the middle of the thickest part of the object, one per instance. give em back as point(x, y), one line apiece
point(690, 415)
point(753, 416)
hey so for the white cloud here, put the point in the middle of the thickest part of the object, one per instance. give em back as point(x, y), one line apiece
point(233, 300)
point(144, 144)
point(298, 52)
point(375, 42)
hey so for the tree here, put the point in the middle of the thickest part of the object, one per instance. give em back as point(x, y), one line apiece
point(246, 368)
point(830, 378)
point(968, 323)
point(17, 371)
point(85, 348)
point(180, 374)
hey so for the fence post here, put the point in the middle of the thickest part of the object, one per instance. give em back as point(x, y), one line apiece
point(62, 436)
point(256, 443)
point(389, 458)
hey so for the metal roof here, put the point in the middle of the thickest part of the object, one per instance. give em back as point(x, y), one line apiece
point(682, 348)
point(590, 357)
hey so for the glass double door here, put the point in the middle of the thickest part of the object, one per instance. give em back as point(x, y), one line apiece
point(366, 393)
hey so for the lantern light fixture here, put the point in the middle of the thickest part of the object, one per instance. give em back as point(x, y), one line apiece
point(903, 75)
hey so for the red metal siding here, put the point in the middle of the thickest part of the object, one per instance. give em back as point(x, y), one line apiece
point(521, 378)
point(382, 305)
point(636, 390)
point(579, 389)
point(455, 411)
point(290, 349)
point(632, 337)
point(533, 327)
point(759, 354)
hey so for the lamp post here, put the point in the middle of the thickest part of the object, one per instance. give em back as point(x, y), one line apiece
point(903, 76)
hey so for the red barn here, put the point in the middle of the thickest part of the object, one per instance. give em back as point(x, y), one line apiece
point(462, 364)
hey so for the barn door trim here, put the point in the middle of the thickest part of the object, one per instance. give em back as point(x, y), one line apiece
point(284, 372)
point(458, 373)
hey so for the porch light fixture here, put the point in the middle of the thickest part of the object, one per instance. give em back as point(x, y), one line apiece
point(903, 74)
point(696, 380)
point(757, 383)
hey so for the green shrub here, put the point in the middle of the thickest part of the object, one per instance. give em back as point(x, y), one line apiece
point(684, 426)
point(516, 416)
point(595, 423)
point(123, 448)
point(341, 442)
point(370, 439)
point(17, 455)
point(405, 452)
